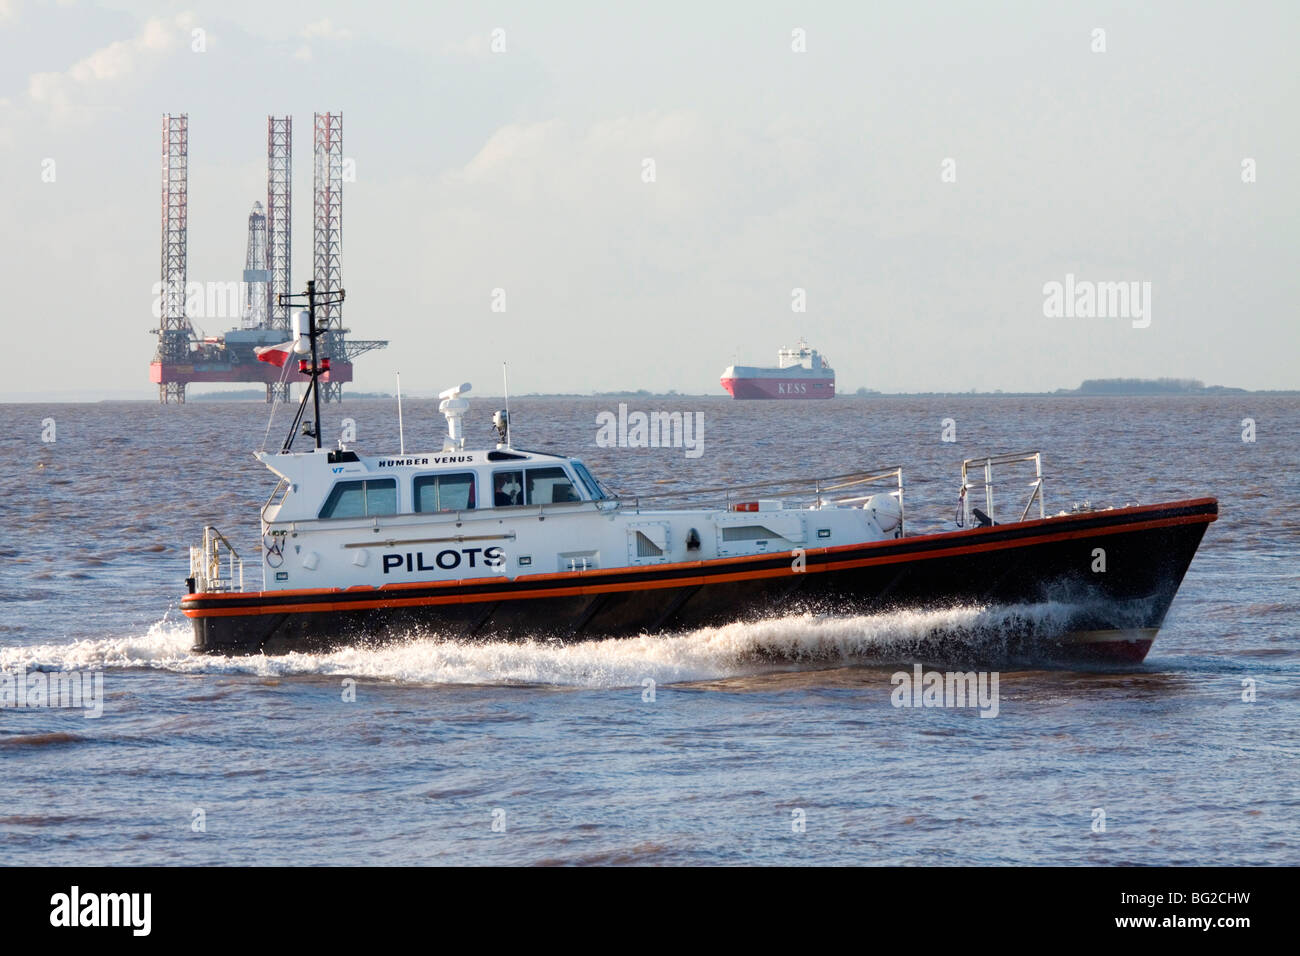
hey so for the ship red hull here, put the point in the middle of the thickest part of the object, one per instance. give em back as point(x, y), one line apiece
point(779, 388)
point(240, 372)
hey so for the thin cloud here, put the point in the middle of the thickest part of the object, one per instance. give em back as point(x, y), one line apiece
point(325, 30)
point(320, 30)
point(91, 79)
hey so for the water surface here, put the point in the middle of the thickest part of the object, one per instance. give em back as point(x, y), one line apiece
point(750, 723)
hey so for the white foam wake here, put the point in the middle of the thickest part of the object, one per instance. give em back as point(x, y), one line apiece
point(713, 653)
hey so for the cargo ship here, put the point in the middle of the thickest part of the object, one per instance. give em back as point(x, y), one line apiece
point(801, 372)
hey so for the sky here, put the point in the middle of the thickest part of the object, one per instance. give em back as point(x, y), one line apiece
point(923, 172)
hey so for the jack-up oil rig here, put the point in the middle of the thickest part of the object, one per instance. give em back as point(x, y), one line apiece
point(185, 355)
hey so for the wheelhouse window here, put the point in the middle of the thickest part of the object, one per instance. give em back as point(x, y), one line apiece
point(365, 498)
point(533, 486)
point(594, 491)
point(454, 492)
point(549, 486)
point(507, 488)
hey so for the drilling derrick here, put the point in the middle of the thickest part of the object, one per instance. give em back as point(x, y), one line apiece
point(256, 275)
point(232, 356)
point(327, 243)
point(327, 236)
point(279, 231)
point(174, 333)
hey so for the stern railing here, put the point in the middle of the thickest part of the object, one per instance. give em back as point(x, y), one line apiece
point(206, 564)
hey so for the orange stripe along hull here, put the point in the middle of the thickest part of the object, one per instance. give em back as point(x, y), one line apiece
point(1112, 614)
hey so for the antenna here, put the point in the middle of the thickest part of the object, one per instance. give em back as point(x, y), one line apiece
point(401, 435)
point(505, 384)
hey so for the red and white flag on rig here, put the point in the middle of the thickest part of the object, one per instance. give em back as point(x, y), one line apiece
point(277, 355)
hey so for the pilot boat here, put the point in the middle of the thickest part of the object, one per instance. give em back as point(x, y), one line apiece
point(503, 542)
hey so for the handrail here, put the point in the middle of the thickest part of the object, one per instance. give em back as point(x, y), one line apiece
point(282, 484)
point(859, 476)
point(986, 464)
point(818, 489)
point(205, 563)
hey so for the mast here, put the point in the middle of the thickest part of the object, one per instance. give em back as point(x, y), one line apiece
point(316, 367)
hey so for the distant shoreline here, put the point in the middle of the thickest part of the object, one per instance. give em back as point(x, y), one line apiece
point(218, 397)
point(1092, 388)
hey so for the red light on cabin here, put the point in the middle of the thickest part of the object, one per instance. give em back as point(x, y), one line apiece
point(304, 366)
point(324, 365)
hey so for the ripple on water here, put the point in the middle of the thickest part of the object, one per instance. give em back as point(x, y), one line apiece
point(803, 700)
point(54, 739)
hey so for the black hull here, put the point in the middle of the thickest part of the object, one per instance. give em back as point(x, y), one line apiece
point(1113, 614)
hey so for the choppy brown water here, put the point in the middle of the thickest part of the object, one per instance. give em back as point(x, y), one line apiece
point(750, 723)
